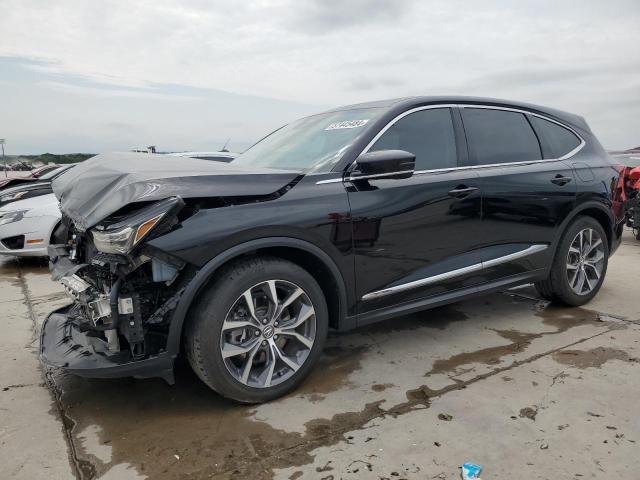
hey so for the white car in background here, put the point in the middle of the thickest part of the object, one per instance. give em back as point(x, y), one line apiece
point(26, 226)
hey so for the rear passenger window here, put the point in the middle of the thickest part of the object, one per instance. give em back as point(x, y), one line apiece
point(560, 139)
point(499, 136)
point(428, 134)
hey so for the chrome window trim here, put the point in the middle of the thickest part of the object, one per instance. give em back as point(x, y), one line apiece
point(489, 165)
point(400, 117)
point(455, 273)
point(444, 170)
point(469, 167)
point(379, 175)
point(544, 117)
point(365, 177)
point(332, 180)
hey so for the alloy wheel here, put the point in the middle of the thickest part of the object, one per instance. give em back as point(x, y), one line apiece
point(585, 261)
point(268, 333)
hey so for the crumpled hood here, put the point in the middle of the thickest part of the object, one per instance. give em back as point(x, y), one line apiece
point(102, 185)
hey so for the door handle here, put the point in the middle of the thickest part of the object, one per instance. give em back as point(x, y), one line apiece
point(561, 180)
point(461, 191)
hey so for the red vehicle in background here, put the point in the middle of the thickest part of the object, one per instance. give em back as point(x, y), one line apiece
point(38, 172)
point(631, 174)
point(32, 176)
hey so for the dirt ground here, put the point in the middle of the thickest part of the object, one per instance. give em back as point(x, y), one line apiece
point(523, 388)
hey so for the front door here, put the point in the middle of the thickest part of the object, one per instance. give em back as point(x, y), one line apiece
point(414, 238)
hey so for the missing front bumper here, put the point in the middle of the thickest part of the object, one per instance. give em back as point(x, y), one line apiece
point(63, 345)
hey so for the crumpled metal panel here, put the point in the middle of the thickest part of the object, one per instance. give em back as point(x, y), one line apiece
point(102, 185)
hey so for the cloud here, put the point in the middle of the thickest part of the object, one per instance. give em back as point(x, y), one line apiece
point(115, 92)
point(319, 17)
point(361, 83)
point(61, 113)
point(575, 55)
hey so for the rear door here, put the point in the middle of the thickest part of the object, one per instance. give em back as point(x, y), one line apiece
point(525, 196)
point(412, 235)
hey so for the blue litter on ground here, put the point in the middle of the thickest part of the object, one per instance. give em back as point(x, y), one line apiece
point(470, 471)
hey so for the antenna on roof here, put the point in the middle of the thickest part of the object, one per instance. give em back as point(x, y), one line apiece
point(224, 147)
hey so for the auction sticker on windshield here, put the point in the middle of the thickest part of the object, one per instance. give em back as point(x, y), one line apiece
point(347, 124)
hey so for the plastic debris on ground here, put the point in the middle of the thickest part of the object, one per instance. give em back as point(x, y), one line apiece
point(470, 471)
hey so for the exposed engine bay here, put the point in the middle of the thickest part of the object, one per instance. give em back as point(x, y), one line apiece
point(124, 287)
point(120, 298)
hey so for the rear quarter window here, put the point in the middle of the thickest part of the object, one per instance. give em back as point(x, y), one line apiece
point(559, 139)
point(499, 136)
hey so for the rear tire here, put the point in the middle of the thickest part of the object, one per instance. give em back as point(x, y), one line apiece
point(280, 339)
point(579, 265)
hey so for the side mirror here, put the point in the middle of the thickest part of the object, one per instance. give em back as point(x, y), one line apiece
point(385, 164)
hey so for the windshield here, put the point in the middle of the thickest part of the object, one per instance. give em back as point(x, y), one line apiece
point(49, 175)
point(311, 144)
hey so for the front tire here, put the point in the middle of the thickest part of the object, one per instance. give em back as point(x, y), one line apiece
point(258, 330)
point(579, 265)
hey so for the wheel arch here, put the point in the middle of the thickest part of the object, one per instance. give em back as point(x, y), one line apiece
point(53, 229)
point(595, 210)
point(303, 253)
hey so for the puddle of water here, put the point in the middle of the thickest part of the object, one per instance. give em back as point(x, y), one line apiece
point(487, 356)
point(594, 358)
point(146, 423)
point(90, 443)
point(381, 387)
point(122, 471)
point(332, 372)
point(560, 319)
point(37, 265)
point(564, 318)
point(188, 430)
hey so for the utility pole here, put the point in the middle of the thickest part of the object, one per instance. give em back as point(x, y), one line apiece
point(3, 159)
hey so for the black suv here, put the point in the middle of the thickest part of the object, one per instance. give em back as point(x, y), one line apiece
point(336, 220)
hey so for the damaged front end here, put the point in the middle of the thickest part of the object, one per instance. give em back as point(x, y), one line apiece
point(123, 292)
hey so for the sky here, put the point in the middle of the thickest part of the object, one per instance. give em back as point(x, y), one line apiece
point(93, 76)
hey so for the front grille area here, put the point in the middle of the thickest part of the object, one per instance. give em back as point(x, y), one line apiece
point(13, 243)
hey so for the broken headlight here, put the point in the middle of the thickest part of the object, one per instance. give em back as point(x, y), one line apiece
point(122, 235)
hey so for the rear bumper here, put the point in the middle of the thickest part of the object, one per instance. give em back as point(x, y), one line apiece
point(616, 238)
point(63, 345)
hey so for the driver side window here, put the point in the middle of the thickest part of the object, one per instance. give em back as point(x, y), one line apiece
point(428, 134)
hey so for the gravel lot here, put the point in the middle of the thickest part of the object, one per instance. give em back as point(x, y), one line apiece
point(524, 389)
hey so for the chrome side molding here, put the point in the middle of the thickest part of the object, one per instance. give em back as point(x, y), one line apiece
point(516, 255)
point(423, 281)
point(455, 273)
